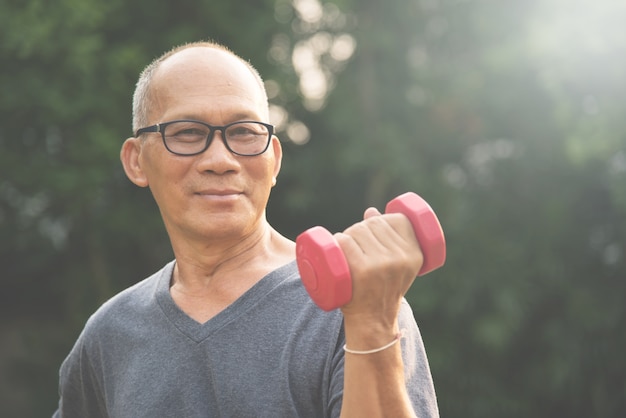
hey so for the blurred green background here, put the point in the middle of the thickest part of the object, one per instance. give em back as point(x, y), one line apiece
point(508, 116)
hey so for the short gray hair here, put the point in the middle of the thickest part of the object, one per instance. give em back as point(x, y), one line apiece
point(141, 97)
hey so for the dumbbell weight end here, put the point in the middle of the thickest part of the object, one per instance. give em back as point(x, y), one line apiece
point(427, 229)
point(323, 268)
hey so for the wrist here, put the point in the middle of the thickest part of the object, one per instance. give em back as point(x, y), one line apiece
point(393, 342)
point(365, 333)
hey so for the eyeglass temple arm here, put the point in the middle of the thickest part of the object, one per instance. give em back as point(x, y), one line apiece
point(153, 128)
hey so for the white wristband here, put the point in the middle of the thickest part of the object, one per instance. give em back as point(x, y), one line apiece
point(375, 350)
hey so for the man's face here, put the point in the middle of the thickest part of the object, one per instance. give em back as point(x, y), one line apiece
point(215, 195)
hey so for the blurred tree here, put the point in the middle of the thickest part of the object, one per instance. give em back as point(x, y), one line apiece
point(506, 117)
point(74, 230)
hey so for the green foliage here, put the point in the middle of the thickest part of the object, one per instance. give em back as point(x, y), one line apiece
point(506, 116)
point(519, 147)
point(74, 230)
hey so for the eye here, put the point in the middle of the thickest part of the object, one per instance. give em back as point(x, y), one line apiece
point(190, 132)
point(247, 130)
point(240, 131)
point(186, 132)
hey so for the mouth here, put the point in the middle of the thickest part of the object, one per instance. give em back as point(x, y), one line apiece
point(219, 194)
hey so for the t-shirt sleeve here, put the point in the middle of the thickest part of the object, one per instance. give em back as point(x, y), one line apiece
point(419, 381)
point(80, 394)
point(335, 396)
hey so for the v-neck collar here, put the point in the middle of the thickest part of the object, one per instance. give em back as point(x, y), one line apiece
point(199, 332)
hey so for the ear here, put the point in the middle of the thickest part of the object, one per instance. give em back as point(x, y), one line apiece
point(131, 150)
point(278, 157)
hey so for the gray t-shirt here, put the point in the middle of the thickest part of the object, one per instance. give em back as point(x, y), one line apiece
point(272, 353)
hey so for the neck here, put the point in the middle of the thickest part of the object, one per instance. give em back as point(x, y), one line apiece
point(209, 277)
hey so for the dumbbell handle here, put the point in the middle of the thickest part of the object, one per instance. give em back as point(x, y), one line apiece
point(323, 266)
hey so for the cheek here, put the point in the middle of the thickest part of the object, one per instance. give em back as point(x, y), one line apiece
point(164, 175)
point(262, 181)
point(267, 174)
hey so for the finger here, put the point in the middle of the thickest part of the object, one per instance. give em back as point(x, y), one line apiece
point(382, 233)
point(369, 212)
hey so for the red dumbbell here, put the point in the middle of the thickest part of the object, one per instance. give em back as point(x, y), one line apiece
point(324, 269)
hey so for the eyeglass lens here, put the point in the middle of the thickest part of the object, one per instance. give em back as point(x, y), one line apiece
point(188, 137)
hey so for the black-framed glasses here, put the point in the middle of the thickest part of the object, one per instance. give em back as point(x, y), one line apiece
point(192, 137)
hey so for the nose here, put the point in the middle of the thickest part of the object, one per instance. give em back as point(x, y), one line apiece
point(217, 158)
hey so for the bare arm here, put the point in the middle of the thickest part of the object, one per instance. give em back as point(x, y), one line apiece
point(384, 259)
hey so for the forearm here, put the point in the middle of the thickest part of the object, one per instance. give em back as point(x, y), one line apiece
point(374, 384)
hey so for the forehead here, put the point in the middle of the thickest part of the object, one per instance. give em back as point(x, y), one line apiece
point(207, 77)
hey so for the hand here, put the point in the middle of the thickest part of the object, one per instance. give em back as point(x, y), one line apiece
point(384, 257)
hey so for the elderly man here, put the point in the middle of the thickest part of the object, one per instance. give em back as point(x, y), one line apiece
point(227, 329)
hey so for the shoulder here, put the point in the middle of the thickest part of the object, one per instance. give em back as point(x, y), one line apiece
point(128, 304)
